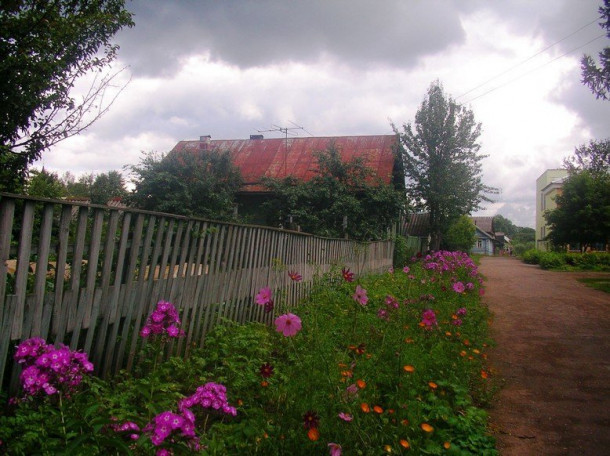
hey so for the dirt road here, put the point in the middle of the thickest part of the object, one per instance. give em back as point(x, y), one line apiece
point(553, 351)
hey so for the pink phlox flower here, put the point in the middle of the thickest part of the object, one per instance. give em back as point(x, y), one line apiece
point(406, 269)
point(469, 286)
point(288, 324)
point(458, 287)
point(334, 449)
point(295, 276)
point(263, 296)
point(461, 311)
point(345, 416)
point(360, 296)
point(391, 270)
point(456, 322)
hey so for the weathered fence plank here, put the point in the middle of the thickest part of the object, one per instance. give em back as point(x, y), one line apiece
point(90, 275)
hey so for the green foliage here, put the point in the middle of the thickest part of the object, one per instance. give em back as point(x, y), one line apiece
point(45, 184)
point(343, 199)
point(107, 186)
point(44, 48)
point(184, 183)
point(593, 157)
point(532, 256)
point(401, 252)
point(591, 261)
point(441, 161)
point(342, 344)
point(597, 78)
point(461, 235)
point(582, 215)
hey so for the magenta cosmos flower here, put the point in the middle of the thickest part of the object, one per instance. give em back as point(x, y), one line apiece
point(360, 296)
point(348, 276)
point(335, 449)
point(295, 276)
point(458, 287)
point(288, 324)
point(263, 296)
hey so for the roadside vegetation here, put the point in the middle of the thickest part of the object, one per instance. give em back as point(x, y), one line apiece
point(561, 261)
point(384, 364)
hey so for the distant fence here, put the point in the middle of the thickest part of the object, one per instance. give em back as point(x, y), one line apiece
point(88, 275)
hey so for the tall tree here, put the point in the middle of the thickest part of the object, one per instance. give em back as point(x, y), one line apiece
point(342, 199)
point(582, 214)
point(461, 235)
point(107, 186)
point(185, 183)
point(441, 161)
point(597, 78)
point(45, 184)
point(594, 157)
point(45, 46)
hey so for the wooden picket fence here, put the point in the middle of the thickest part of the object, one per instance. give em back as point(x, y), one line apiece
point(88, 276)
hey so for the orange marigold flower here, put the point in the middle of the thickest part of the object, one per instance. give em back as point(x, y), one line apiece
point(426, 427)
point(446, 445)
point(466, 342)
point(432, 385)
point(313, 434)
point(404, 422)
point(390, 411)
point(377, 409)
point(484, 374)
point(463, 353)
point(408, 340)
point(408, 368)
point(347, 373)
point(404, 443)
point(476, 351)
point(361, 383)
point(388, 448)
point(264, 383)
point(342, 365)
point(365, 407)
point(448, 333)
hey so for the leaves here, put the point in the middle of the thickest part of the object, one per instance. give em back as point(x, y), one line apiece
point(441, 161)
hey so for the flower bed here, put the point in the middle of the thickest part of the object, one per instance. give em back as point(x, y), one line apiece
point(392, 363)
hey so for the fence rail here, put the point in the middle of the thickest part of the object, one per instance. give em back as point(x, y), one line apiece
point(88, 276)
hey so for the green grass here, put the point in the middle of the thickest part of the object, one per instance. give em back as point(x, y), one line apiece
point(599, 283)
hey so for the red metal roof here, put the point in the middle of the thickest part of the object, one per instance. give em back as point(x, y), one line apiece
point(280, 157)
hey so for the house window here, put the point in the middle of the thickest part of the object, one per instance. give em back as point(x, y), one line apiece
point(479, 244)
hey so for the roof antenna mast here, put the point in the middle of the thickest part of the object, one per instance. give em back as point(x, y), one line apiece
point(285, 130)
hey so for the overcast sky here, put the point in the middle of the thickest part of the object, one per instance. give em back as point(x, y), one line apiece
point(351, 67)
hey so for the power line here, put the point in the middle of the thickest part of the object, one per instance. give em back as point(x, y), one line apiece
point(529, 58)
point(534, 69)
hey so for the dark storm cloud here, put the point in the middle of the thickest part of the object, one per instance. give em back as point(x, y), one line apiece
point(250, 33)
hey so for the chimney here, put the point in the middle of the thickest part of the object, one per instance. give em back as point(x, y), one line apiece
point(204, 142)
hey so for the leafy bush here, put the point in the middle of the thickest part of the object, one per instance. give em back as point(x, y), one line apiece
point(532, 256)
point(552, 260)
point(401, 252)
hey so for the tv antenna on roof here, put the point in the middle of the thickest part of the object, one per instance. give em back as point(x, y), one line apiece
point(286, 130)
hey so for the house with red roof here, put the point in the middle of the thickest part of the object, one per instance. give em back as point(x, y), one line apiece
point(258, 158)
